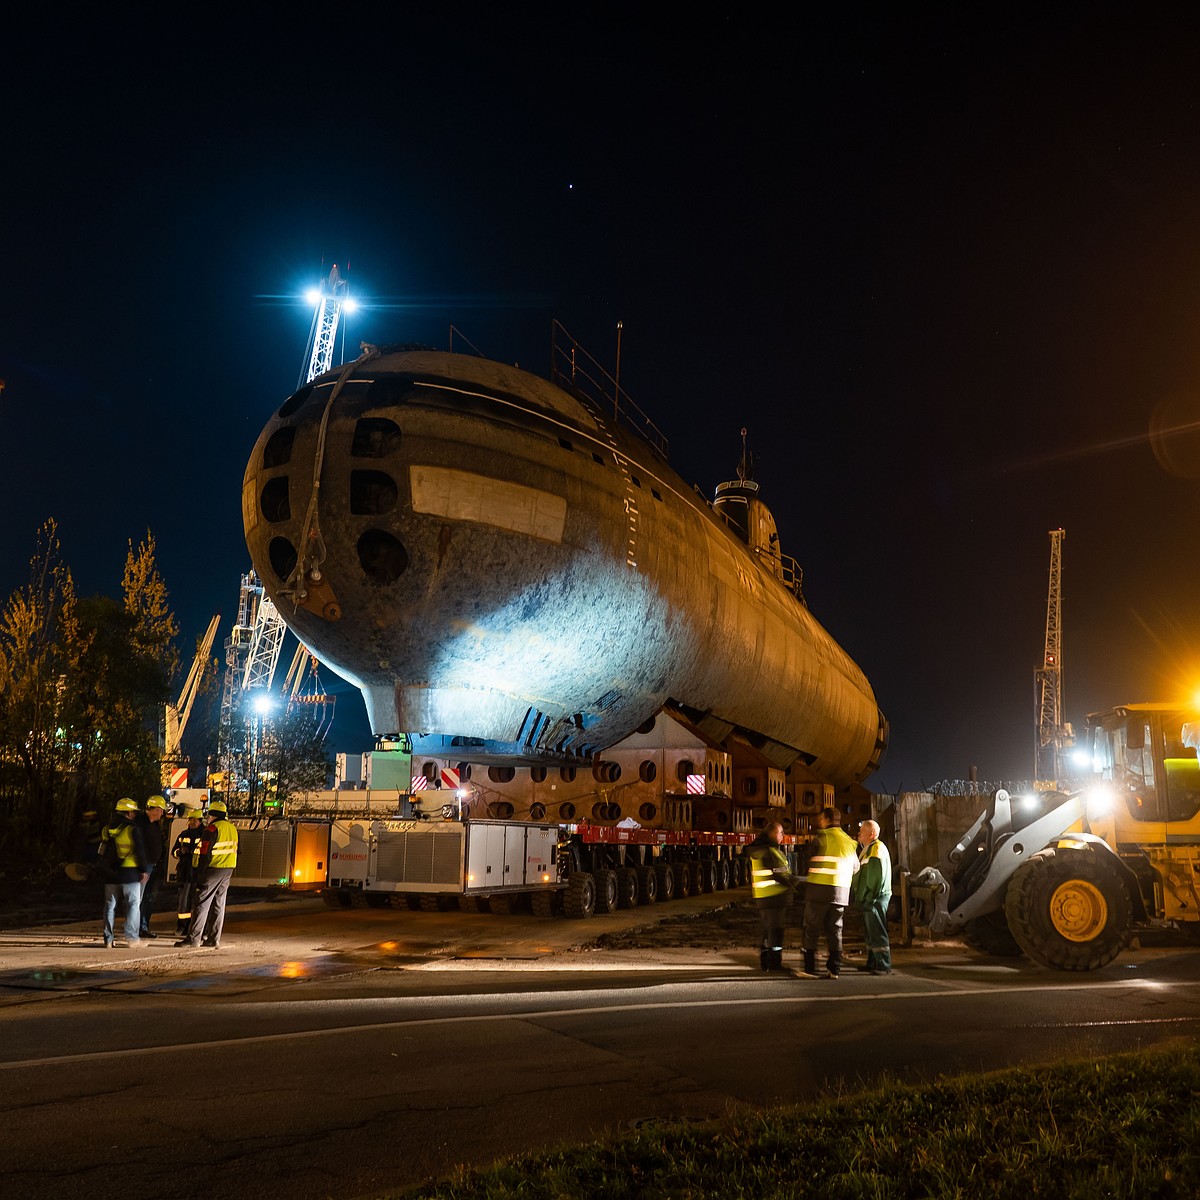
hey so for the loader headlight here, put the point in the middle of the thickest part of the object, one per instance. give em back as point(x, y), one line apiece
point(1099, 802)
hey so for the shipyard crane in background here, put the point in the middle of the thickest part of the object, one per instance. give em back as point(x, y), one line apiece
point(174, 773)
point(1053, 734)
point(253, 647)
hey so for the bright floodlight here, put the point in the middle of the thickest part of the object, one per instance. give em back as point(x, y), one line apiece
point(1081, 757)
point(263, 704)
point(349, 305)
point(313, 295)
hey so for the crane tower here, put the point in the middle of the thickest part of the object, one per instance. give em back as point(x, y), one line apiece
point(1052, 733)
point(253, 647)
point(333, 298)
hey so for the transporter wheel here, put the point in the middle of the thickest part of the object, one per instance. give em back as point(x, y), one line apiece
point(683, 880)
point(335, 898)
point(628, 887)
point(647, 885)
point(409, 900)
point(429, 902)
point(721, 867)
point(542, 903)
point(358, 898)
point(608, 894)
point(502, 906)
point(580, 898)
point(377, 899)
point(471, 904)
point(990, 934)
point(708, 875)
point(666, 882)
point(1069, 909)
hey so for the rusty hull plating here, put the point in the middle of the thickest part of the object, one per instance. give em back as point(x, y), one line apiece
point(499, 565)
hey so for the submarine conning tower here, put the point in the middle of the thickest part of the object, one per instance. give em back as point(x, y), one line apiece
point(737, 503)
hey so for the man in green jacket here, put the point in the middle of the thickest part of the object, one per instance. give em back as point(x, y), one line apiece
point(871, 891)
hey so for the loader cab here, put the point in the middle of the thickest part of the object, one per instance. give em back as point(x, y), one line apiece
point(1150, 753)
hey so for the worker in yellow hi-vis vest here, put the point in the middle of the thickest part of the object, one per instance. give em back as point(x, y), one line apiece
point(208, 911)
point(831, 867)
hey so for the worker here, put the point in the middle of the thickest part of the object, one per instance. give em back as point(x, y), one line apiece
point(771, 881)
point(189, 851)
point(128, 872)
point(155, 843)
point(871, 891)
point(208, 912)
point(831, 867)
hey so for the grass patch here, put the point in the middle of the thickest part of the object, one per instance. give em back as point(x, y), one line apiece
point(1125, 1126)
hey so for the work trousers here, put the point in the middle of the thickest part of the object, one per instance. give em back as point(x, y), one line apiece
point(210, 896)
point(131, 898)
point(824, 917)
point(149, 896)
point(771, 915)
point(875, 933)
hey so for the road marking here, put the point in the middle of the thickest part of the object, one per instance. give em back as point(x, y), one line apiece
point(581, 1011)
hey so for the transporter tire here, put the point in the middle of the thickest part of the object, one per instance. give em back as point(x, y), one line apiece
point(377, 899)
point(579, 901)
point(683, 880)
point(430, 902)
point(722, 866)
point(708, 875)
point(472, 904)
point(628, 887)
point(666, 882)
point(502, 905)
point(608, 893)
point(1069, 909)
point(335, 898)
point(647, 885)
point(990, 934)
point(542, 903)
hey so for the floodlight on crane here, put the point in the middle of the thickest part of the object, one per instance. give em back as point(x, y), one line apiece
point(331, 299)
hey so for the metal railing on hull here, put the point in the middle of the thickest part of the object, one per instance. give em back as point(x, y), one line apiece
point(574, 370)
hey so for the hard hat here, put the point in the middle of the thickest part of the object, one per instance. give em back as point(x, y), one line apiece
point(156, 802)
point(193, 814)
point(217, 807)
point(126, 805)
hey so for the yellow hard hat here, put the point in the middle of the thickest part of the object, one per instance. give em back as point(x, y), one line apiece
point(156, 802)
point(193, 814)
point(125, 804)
point(217, 807)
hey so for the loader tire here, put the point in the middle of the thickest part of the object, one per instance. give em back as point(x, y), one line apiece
point(1069, 909)
point(990, 934)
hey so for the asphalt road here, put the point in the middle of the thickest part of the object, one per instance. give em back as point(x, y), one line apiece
point(347, 1059)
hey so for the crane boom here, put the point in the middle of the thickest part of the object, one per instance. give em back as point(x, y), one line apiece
point(1051, 732)
point(334, 293)
point(177, 714)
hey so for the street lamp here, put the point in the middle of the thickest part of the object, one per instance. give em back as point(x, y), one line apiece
point(261, 705)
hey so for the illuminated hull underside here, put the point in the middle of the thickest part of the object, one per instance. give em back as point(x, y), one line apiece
point(500, 564)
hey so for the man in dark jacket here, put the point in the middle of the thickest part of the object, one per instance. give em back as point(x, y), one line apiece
point(154, 841)
point(771, 881)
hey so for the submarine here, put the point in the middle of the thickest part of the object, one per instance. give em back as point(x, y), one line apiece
point(509, 564)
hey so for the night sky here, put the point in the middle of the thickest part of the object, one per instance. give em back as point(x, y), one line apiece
point(947, 275)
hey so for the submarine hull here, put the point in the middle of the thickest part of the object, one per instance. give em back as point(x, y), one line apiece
point(500, 564)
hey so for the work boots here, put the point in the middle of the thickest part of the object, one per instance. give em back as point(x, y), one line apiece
point(810, 964)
